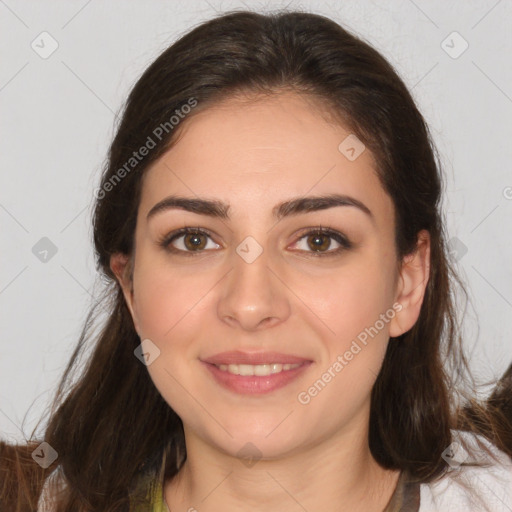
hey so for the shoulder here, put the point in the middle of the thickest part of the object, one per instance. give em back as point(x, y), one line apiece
point(466, 486)
point(147, 493)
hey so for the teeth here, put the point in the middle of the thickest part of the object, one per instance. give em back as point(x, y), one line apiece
point(260, 370)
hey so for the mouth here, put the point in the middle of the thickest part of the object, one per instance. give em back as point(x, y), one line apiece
point(246, 373)
point(260, 370)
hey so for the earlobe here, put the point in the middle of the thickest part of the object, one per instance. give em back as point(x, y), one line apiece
point(413, 280)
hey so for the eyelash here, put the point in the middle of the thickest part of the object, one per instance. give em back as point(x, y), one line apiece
point(166, 240)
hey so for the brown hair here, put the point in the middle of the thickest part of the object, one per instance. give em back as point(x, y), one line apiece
point(113, 416)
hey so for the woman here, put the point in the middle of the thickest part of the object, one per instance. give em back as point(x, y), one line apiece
point(282, 334)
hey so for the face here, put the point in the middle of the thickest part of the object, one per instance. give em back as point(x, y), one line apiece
point(319, 287)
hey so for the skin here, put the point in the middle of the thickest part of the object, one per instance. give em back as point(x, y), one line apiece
point(254, 155)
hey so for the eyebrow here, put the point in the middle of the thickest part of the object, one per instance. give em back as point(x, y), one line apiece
point(294, 206)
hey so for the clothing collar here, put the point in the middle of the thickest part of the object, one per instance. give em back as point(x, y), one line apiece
point(406, 497)
point(148, 495)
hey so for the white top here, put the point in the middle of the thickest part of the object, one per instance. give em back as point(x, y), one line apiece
point(461, 489)
point(471, 489)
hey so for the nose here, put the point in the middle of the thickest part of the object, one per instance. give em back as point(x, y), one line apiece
point(253, 295)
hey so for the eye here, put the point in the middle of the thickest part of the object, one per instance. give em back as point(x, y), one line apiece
point(320, 240)
point(193, 240)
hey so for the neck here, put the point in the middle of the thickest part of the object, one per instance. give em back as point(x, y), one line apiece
point(338, 474)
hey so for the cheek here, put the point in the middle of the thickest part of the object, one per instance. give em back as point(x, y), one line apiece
point(166, 300)
point(359, 312)
point(350, 300)
point(356, 305)
point(170, 309)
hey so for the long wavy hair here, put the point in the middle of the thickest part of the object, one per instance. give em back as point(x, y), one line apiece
point(112, 416)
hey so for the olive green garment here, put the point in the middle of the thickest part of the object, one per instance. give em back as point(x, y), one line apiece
point(147, 495)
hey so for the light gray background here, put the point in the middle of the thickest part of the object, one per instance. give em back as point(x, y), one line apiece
point(58, 117)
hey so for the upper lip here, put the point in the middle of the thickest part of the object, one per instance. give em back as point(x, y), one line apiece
point(239, 357)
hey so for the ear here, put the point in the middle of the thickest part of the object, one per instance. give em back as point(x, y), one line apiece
point(122, 267)
point(412, 282)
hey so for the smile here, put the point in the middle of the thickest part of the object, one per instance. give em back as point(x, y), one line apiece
point(260, 370)
point(255, 379)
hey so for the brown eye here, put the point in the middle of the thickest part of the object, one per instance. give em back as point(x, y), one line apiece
point(193, 241)
point(188, 241)
point(319, 242)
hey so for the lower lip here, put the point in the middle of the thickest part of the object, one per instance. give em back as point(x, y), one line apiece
point(253, 384)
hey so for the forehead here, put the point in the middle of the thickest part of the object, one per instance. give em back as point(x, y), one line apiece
point(254, 154)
